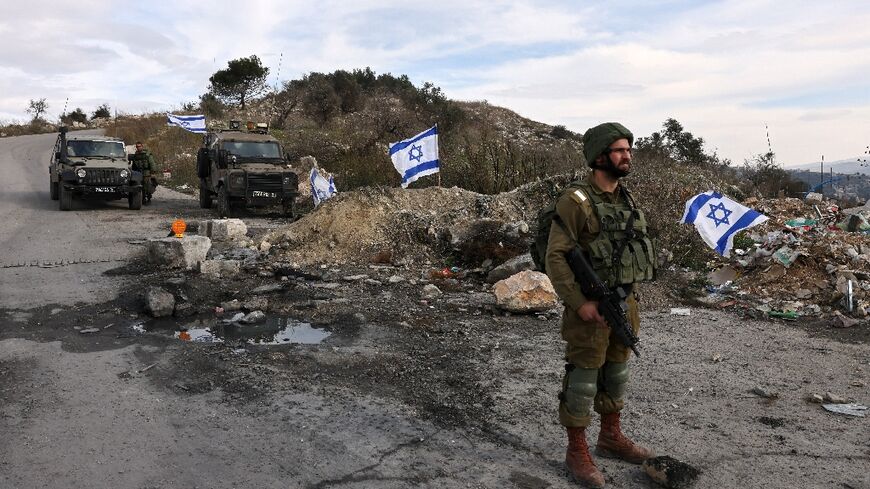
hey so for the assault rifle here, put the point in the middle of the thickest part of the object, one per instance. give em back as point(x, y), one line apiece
point(611, 302)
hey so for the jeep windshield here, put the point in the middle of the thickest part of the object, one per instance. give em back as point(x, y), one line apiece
point(96, 149)
point(252, 150)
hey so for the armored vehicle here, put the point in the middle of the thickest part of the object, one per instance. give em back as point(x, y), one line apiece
point(246, 168)
point(92, 166)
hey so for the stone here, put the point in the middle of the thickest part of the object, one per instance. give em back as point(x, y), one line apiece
point(513, 266)
point(220, 268)
point(354, 278)
point(841, 321)
point(430, 292)
point(158, 302)
point(184, 252)
point(395, 279)
point(231, 306)
point(803, 293)
point(256, 303)
point(265, 246)
point(670, 472)
point(525, 292)
point(253, 317)
point(265, 289)
point(360, 318)
point(834, 399)
point(223, 229)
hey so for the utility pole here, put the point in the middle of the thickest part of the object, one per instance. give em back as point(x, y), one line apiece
point(822, 177)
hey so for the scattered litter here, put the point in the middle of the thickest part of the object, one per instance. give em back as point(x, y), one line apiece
point(787, 315)
point(108, 325)
point(717, 357)
point(847, 409)
point(89, 330)
point(681, 311)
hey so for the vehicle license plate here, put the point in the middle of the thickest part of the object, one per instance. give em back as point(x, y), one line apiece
point(104, 189)
point(260, 193)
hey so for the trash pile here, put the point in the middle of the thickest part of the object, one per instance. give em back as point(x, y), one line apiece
point(811, 258)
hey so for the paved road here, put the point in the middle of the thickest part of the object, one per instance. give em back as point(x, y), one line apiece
point(97, 235)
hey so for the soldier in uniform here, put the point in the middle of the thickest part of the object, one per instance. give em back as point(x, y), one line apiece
point(595, 213)
point(143, 161)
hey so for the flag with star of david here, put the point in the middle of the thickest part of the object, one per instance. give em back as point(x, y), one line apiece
point(192, 123)
point(416, 156)
point(718, 219)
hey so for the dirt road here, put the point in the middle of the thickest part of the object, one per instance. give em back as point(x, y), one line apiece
point(402, 393)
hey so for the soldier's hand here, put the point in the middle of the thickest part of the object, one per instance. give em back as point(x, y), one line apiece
point(589, 313)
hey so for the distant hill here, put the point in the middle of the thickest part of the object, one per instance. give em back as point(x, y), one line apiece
point(849, 166)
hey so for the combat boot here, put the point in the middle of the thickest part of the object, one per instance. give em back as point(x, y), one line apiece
point(613, 444)
point(579, 462)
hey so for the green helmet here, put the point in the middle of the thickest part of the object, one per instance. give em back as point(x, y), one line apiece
point(599, 138)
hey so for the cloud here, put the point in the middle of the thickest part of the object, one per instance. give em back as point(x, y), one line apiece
point(722, 68)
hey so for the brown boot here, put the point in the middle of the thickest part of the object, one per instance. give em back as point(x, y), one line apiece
point(579, 462)
point(613, 444)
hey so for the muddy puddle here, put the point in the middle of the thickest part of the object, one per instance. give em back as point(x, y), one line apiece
point(271, 331)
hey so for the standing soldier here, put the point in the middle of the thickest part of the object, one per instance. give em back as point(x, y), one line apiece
point(143, 161)
point(600, 216)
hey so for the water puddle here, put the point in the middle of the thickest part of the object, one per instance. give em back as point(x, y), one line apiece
point(272, 331)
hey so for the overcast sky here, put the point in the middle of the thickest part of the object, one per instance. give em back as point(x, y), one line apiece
point(725, 70)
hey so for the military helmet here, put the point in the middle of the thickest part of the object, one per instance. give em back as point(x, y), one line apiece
point(596, 140)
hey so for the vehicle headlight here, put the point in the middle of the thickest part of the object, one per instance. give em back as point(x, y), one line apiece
point(286, 180)
point(81, 172)
point(124, 174)
point(238, 181)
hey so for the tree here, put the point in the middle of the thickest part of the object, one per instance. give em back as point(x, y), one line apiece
point(77, 115)
point(102, 112)
point(37, 108)
point(244, 78)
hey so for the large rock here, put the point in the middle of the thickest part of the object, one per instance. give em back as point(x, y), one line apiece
point(513, 266)
point(220, 268)
point(158, 302)
point(525, 292)
point(223, 229)
point(184, 252)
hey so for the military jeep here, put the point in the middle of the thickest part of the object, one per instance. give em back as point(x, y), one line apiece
point(92, 167)
point(244, 168)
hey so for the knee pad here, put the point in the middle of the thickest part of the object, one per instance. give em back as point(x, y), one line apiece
point(614, 379)
point(579, 390)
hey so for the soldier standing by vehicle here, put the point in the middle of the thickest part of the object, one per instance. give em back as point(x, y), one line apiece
point(143, 161)
point(600, 216)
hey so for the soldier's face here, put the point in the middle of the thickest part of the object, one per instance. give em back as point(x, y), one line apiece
point(138, 147)
point(620, 157)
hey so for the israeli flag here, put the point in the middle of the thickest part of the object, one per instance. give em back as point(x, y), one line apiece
point(718, 219)
point(417, 156)
point(192, 123)
point(321, 188)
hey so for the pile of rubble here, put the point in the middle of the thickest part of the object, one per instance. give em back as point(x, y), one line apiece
point(810, 258)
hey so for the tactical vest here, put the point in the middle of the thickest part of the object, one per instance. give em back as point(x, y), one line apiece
point(140, 160)
point(637, 262)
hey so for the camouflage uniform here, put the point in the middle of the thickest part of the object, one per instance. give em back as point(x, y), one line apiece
point(143, 161)
point(590, 348)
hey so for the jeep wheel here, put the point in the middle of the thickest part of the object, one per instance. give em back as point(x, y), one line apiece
point(223, 202)
point(65, 197)
point(204, 195)
point(52, 186)
point(135, 201)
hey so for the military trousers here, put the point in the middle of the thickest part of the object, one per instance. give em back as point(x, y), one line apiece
point(596, 367)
